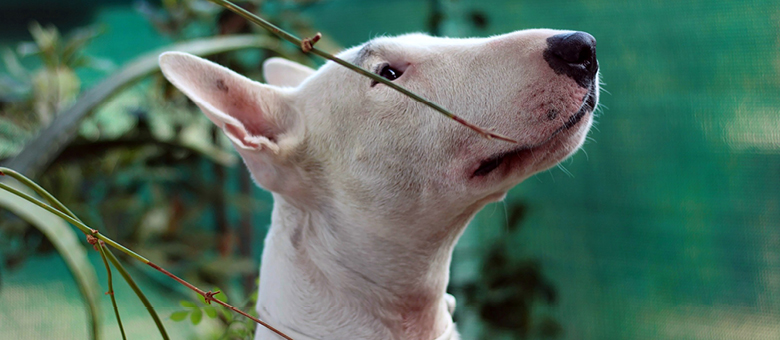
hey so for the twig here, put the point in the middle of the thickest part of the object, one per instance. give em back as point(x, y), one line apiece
point(102, 247)
point(209, 296)
point(307, 46)
point(93, 238)
point(138, 292)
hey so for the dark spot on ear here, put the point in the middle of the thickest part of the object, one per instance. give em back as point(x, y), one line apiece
point(221, 86)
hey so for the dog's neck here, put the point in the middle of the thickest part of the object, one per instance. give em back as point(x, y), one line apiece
point(326, 278)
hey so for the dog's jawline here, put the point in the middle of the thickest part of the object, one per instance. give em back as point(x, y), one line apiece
point(491, 163)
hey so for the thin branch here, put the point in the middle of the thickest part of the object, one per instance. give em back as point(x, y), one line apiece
point(84, 228)
point(209, 296)
point(92, 239)
point(307, 47)
point(138, 292)
point(103, 250)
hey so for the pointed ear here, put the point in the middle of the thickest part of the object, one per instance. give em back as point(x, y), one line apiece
point(283, 72)
point(254, 116)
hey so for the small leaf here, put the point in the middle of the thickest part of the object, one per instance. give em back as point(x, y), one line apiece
point(202, 299)
point(77, 40)
point(180, 315)
point(26, 49)
point(211, 312)
point(47, 38)
point(13, 65)
point(196, 316)
point(187, 304)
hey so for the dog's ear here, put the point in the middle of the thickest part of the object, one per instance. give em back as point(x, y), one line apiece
point(283, 72)
point(256, 117)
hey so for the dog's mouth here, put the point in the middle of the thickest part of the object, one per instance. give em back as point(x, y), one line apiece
point(492, 163)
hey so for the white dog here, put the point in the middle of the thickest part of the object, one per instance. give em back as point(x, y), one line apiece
point(373, 189)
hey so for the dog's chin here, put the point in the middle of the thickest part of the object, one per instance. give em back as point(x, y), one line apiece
point(522, 162)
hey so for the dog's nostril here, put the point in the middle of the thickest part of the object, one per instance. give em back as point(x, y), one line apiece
point(573, 54)
point(575, 48)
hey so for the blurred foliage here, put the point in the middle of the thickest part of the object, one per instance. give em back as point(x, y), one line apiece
point(31, 98)
point(509, 291)
point(124, 174)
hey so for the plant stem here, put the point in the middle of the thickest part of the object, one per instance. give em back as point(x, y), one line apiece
point(62, 209)
point(103, 251)
point(295, 40)
point(209, 296)
point(139, 293)
point(39, 190)
point(72, 219)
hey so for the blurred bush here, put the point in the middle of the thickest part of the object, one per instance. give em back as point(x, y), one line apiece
point(145, 167)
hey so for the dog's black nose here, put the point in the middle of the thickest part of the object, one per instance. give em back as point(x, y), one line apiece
point(573, 54)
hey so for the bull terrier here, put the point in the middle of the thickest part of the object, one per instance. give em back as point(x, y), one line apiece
point(372, 189)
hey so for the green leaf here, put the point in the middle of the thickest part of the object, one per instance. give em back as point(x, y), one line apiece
point(67, 244)
point(47, 38)
point(211, 312)
point(202, 299)
point(187, 304)
point(13, 65)
point(77, 40)
point(180, 315)
point(196, 316)
point(26, 49)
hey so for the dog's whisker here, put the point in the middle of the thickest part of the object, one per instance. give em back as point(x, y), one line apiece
point(506, 217)
point(565, 171)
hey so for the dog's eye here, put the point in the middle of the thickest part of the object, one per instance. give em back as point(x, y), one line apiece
point(390, 73)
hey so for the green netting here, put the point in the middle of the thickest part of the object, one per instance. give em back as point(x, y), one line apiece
point(667, 227)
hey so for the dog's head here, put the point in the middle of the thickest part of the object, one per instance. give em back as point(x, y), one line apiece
point(334, 138)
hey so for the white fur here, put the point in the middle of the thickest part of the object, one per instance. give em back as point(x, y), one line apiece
point(373, 189)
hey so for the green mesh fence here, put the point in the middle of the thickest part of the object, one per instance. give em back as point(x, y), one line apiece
point(667, 225)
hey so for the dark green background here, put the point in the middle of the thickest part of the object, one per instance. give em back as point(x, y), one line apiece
point(667, 227)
